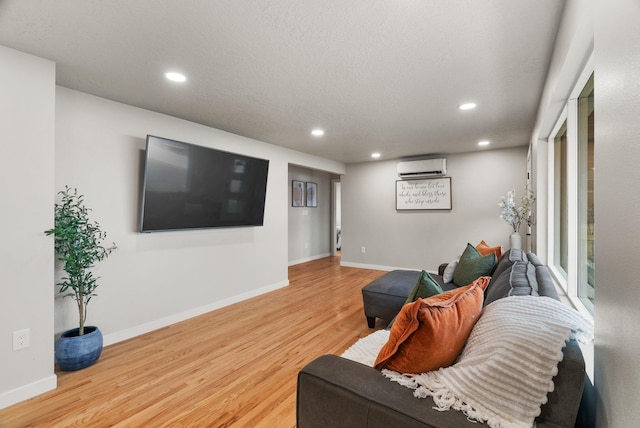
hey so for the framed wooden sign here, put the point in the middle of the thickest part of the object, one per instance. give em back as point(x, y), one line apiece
point(424, 194)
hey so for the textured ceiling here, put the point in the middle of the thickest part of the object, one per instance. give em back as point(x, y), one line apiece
point(376, 75)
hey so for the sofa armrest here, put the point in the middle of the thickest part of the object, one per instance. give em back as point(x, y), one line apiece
point(561, 409)
point(337, 392)
point(441, 268)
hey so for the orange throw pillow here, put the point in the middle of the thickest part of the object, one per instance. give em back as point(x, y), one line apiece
point(430, 333)
point(484, 249)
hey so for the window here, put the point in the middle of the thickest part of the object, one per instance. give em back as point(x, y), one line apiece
point(586, 214)
point(571, 196)
point(561, 202)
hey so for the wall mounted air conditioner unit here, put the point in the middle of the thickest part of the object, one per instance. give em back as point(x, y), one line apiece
point(422, 168)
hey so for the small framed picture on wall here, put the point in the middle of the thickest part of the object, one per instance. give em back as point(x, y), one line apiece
point(312, 194)
point(297, 193)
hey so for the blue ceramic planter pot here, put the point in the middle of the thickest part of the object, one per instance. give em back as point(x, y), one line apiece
point(75, 352)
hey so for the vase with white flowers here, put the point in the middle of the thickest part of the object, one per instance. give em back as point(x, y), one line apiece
point(516, 215)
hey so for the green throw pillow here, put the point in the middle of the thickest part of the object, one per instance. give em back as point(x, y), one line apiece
point(473, 265)
point(425, 287)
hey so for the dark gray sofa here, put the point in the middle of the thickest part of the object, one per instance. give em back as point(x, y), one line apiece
point(334, 392)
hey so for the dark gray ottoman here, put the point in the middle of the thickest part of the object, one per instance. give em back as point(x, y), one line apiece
point(383, 298)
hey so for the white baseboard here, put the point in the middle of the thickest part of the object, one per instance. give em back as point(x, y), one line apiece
point(110, 339)
point(379, 267)
point(308, 259)
point(368, 266)
point(25, 392)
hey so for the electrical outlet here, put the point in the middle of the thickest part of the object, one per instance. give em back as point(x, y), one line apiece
point(20, 339)
point(363, 250)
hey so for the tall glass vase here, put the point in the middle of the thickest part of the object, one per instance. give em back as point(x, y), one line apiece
point(516, 241)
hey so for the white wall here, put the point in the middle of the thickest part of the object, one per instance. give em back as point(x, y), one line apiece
point(309, 228)
point(157, 279)
point(573, 46)
point(617, 207)
point(572, 50)
point(611, 31)
point(27, 101)
point(424, 239)
point(55, 136)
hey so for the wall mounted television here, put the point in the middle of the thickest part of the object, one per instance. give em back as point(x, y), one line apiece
point(186, 186)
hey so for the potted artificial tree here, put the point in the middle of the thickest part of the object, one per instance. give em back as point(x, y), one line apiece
point(78, 245)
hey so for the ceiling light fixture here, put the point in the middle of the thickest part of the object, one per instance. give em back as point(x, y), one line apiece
point(175, 77)
point(375, 155)
point(317, 132)
point(467, 106)
point(484, 143)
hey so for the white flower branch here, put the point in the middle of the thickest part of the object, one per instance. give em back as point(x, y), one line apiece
point(517, 215)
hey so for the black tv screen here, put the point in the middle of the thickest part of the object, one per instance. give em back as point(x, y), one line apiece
point(186, 186)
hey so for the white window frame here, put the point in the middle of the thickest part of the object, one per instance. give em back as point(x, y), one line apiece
point(558, 275)
point(568, 284)
point(581, 227)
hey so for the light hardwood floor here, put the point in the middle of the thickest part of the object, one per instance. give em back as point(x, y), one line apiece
point(233, 367)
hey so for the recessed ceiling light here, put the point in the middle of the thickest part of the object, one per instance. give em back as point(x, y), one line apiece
point(375, 155)
point(467, 106)
point(317, 132)
point(175, 77)
point(484, 143)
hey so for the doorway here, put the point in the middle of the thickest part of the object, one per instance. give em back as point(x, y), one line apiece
point(336, 219)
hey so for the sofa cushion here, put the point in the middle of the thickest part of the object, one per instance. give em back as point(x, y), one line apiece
point(508, 258)
point(473, 265)
point(425, 287)
point(520, 280)
point(430, 333)
point(533, 258)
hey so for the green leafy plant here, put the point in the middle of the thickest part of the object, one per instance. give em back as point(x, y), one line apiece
point(78, 245)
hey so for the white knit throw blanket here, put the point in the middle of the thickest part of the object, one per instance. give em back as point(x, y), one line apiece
point(503, 375)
